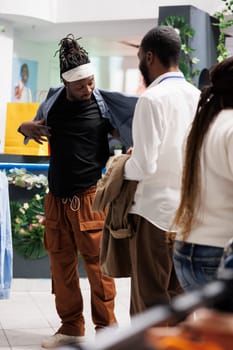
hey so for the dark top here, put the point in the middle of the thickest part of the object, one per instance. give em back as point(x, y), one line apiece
point(78, 146)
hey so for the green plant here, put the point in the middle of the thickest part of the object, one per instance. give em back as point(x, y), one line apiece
point(27, 217)
point(27, 226)
point(223, 24)
point(118, 146)
point(187, 61)
point(115, 147)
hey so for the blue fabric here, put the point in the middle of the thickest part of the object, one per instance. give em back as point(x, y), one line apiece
point(121, 109)
point(6, 250)
point(195, 264)
point(115, 106)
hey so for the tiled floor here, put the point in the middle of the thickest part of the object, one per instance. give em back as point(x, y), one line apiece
point(29, 314)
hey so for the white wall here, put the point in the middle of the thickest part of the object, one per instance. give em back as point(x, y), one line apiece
point(43, 9)
point(61, 11)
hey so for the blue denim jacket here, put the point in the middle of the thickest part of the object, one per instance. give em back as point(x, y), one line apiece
point(6, 251)
point(115, 106)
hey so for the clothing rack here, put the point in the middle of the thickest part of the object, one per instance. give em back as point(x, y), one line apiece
point(216, 294)
point(6, 250)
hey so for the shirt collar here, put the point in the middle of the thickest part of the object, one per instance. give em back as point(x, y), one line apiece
point(168, 75)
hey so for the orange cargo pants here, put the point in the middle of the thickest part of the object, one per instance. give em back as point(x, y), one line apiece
point(71, 227)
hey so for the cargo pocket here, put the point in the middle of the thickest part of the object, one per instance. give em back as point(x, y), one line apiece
point(52, 237)
point(91, 225)
point(89, 220)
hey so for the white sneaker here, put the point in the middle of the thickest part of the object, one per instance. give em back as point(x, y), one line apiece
point(59, 339)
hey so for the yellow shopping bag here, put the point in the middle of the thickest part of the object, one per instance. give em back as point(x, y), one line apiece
point(18, 113)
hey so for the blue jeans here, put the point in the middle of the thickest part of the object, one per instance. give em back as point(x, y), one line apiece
point(195, 264)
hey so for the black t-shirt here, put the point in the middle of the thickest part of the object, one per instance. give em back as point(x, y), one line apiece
point(78, 145)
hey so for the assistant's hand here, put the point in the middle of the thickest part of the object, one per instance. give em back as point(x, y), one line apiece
point(129, 151)
point(36, 130)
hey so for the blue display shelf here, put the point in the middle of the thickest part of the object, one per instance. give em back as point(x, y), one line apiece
point(27, 166)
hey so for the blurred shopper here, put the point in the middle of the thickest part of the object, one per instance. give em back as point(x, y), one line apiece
point(204, 330)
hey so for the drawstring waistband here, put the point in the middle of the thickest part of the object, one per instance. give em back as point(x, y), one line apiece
point(74, 202)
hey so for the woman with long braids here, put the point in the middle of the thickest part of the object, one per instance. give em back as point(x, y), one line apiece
point(204, 218)
point(76, 121)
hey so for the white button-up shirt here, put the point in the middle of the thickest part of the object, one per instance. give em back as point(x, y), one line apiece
point(162, 117)
point(213, 222)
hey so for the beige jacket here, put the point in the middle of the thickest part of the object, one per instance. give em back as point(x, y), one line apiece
point(115, 194)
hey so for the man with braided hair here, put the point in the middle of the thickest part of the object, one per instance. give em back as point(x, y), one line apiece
point(76, 120)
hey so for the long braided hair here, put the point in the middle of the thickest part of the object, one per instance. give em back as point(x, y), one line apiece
point(217, 96)
point(71, 54)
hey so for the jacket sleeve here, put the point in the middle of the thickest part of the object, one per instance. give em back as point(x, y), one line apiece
point(121, 110)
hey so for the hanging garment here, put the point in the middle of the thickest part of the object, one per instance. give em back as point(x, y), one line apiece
point(6, 251)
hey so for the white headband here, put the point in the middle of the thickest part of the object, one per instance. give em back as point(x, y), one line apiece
point(78, 73)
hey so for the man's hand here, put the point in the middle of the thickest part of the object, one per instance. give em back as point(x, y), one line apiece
point(36, 130)
point(129, 151)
